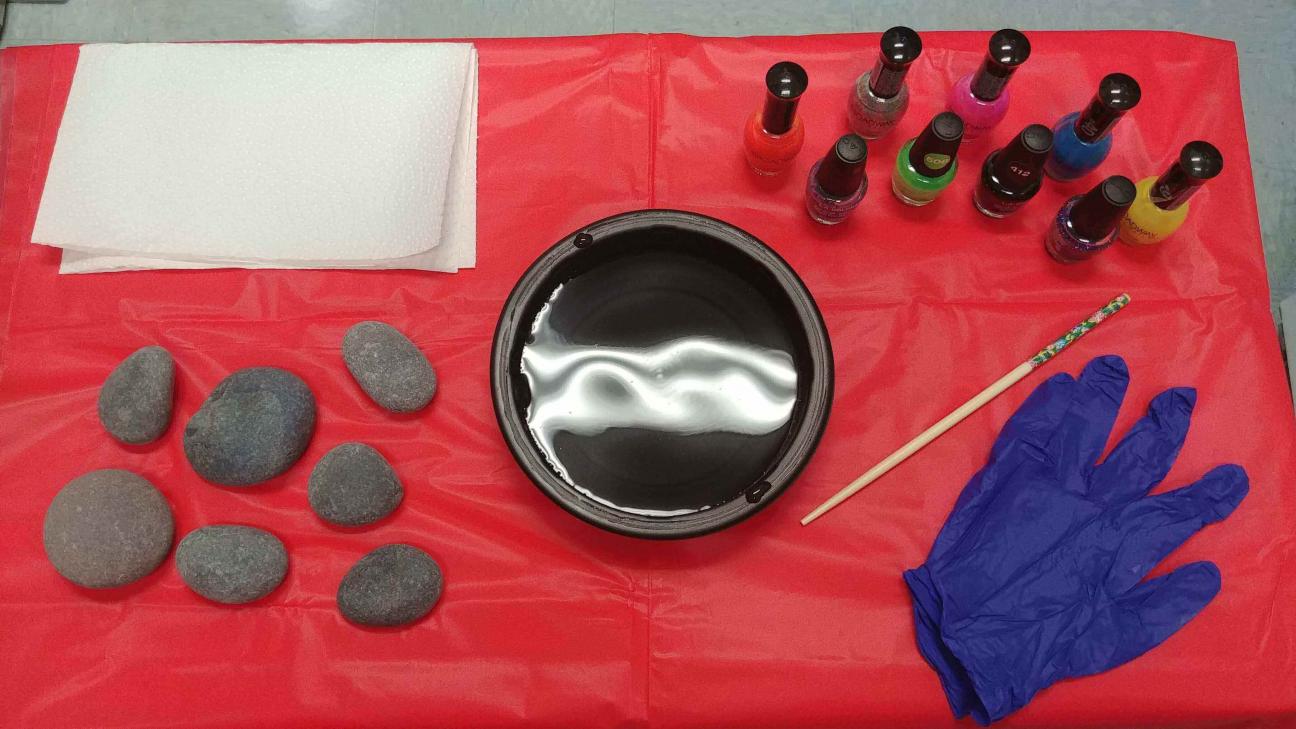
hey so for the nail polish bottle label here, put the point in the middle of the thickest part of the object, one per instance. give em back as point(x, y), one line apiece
point(936, 160)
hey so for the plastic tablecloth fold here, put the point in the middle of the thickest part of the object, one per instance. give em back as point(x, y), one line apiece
point(546, 621)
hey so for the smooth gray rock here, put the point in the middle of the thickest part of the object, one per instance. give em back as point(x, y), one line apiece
point(107, 529)
point(353, 485)
point(393, 585)
point(253, 427)
point(135, 400)
point(389, 368)
point(231, 564)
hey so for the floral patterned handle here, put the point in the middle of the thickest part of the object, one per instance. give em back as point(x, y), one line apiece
point(967, 408)
point(1079, 330)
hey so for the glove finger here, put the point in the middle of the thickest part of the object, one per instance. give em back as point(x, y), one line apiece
point(1040, 415)
point(1155, 526)
point(1080, 437)
point(1144, 456)
point(1144, 617)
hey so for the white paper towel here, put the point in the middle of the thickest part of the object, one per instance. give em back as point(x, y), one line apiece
point(256, 155)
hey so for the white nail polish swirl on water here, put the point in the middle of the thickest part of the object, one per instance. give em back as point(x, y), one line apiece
point(683, 386)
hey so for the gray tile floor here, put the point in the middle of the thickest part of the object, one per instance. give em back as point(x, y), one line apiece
point(1263, 30)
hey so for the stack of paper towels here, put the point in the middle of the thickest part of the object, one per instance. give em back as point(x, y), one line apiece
point(261, 155)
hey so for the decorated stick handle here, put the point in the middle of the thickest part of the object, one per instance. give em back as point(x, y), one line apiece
point(969, 407)
point(1079, 330)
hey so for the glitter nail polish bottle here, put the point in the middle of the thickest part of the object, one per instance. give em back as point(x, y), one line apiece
point(837, 183)
point(1086, 225)
point(880, 97)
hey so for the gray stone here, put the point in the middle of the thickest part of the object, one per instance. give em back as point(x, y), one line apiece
point(107, 529)
point(353, 485)
point(389, 368)
point(253, 427)
point(393, 585)
point(135, 401)
point(231, 564)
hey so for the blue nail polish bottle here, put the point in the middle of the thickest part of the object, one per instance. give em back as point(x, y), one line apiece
point(1081, 140)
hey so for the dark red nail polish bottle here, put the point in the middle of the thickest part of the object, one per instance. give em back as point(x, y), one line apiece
point(1011, 176)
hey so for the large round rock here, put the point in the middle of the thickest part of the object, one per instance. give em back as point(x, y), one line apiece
point(135, 400)
point(255, 426)
point(393, 585)
point(353, 485)
point(231, 564)
point(389, 368)
point(107, 529)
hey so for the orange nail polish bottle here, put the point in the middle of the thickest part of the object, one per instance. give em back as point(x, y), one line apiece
point(774, 134)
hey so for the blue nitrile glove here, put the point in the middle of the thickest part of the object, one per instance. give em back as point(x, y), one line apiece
point(1037, 574)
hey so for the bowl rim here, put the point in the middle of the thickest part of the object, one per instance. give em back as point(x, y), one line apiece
point(513, 326)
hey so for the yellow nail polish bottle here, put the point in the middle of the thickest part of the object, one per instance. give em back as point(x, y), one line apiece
point(1161, 203)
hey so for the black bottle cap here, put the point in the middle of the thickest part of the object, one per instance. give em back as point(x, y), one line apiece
point(1117, 94)
point(901, 46)
point(1018, 166)
point(1008, 50)
point(784, 82)
point(1198, 162)
point(842, 170)
point(1098, 213)
point(936, 148)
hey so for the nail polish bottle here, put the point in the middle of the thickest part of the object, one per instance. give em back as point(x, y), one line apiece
point(881, 96)
point(1082, 139)
point(1012, 175)
point(774, 134)
point(981, 98)
point(1086, 225)
point(1161, 203)
point(927, 163)
point(837, 183)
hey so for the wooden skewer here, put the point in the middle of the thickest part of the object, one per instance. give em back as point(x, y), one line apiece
point(969, 407)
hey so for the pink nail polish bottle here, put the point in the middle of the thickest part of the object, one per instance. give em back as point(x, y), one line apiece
point(981, 98)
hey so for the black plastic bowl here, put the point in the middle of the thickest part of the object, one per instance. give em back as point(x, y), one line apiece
point(636, 285)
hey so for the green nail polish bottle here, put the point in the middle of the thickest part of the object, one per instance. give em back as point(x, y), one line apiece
point(927, 163)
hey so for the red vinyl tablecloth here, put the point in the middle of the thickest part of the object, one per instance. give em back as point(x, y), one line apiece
point(547, 621)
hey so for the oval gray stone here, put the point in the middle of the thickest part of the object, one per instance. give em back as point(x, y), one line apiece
point(231, 564)
point(107, 529)
point(353, 485)
point(253, 427)
point(389, 368)
point(135, 400)
point(393, 585)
